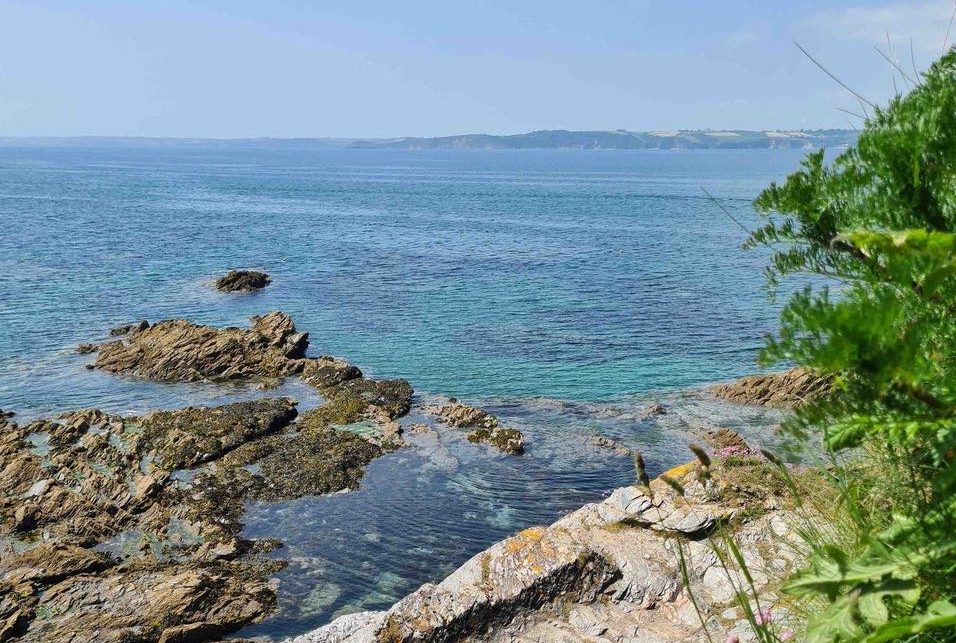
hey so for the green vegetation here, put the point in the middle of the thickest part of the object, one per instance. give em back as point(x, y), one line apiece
point(880, 223)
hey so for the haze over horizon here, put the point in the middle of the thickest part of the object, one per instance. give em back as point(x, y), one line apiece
point(218, 69)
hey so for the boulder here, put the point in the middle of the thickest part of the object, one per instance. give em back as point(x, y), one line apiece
point(243, 281)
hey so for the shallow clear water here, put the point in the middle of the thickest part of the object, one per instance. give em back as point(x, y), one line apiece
point(564, 289)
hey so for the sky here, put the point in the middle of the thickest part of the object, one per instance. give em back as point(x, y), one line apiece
point(381, 68)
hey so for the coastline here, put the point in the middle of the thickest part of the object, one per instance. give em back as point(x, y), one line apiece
point(179, 480)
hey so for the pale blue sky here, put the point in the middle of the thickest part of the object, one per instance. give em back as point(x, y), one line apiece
point(237, 68)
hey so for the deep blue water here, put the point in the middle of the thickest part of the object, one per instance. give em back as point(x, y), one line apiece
point(565, 289)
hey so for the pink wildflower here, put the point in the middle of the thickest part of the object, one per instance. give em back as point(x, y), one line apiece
point(786, 635)
point(763, 617)
point(732, 638)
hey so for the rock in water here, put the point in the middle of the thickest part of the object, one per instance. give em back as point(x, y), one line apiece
point(786, 390)
point(604, 442)
point(177, 350)
point(243, 281)
point(484, 426)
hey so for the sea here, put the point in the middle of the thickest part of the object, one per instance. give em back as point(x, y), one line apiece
point(566, 291)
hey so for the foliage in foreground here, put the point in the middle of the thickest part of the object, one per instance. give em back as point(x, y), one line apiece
point(878, 222)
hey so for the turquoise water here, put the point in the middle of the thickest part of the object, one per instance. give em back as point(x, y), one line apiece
point(569, 274)
point(565, 290)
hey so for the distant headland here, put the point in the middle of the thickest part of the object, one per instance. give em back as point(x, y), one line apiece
point(543, 139)
point(625, 140)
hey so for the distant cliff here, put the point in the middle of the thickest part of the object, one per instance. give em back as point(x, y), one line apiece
point(623, 140)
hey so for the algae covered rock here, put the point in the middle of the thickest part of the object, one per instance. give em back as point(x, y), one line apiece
point(111, 546)
point(130, 526)
point(484, 426)
point(187, 437)
point(243, 281)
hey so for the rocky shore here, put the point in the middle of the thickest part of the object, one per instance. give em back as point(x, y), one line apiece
point(127, 528)
point(178, 350)
point(122, 528)
point(612, 571)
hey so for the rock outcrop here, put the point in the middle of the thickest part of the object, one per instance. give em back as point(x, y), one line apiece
point(484, 427)
point(177, 350)
point(243, 281)
point(609, 571)
point(127, 528)
point(785, 390)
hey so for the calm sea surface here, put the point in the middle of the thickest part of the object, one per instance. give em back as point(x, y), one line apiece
point(565, 290)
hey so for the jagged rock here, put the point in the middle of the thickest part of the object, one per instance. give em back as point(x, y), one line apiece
point(13, 625)
point(126, 329)
point(177, 350)
point(147, 605)
point(243, 281)
point(609, 571)
point(787, 389)
point(49, 563)
point(484, 426)
point(86, 349)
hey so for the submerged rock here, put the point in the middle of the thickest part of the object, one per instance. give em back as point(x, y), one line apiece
point(609, 571)
point(787, 389)
point(484, 426)
point(655, 410)
point(604, 442)
point(243, 281)
point(86, 349)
